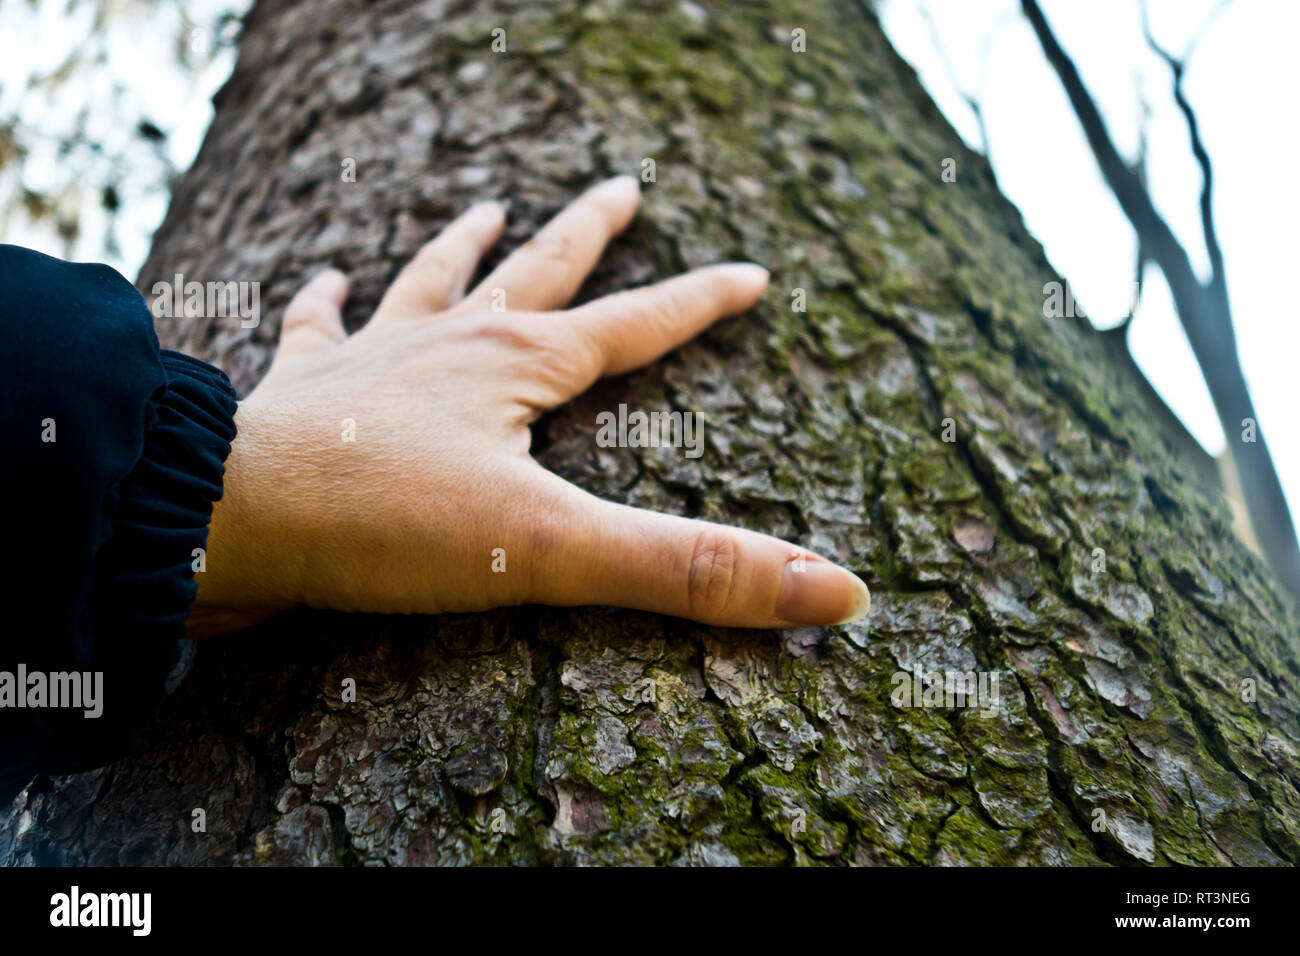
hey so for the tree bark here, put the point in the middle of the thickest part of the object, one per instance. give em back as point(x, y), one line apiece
point(1147, 712)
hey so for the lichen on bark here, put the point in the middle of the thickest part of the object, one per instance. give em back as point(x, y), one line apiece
point(595, 735)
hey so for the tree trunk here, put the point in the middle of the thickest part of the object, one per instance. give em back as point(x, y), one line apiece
point(1145, 663)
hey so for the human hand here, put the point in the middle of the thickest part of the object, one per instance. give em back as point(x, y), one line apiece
point(407, 517)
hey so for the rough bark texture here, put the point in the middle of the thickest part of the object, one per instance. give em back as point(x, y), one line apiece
point(596, 735)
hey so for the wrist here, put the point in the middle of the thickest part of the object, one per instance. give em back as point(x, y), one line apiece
point(250, 571)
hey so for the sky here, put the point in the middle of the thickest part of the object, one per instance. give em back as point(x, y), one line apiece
point(130, 68)
point(1241, 81)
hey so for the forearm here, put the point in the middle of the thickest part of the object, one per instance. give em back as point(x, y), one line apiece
point(248, 572)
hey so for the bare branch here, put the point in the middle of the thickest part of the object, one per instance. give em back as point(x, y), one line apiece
point(1177, 66)
point(971, 102)
point(1204, 310)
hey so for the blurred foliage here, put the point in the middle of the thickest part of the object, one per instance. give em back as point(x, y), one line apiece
point(102, 103)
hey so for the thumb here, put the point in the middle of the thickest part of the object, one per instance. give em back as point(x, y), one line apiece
point(624, 556)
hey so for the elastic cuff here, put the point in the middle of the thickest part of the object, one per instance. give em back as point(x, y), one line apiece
point(143, 582)
point(163, 507)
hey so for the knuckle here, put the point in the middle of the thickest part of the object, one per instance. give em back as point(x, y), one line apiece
point(431, 265)
point(711, 577)
point(550, 355)
point(546, 534)
point(513, 333)
point(668, 311)
point(557, 247)
point(544, 553)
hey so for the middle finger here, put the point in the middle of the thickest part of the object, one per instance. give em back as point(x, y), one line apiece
point(548, 270)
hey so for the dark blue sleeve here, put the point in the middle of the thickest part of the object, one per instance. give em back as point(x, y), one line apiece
point(111, 455)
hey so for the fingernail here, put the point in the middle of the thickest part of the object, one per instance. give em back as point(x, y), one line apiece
point(749, 272)
point(820, 594)
point(332, 280)
point(487, 210)
point(619, 185)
